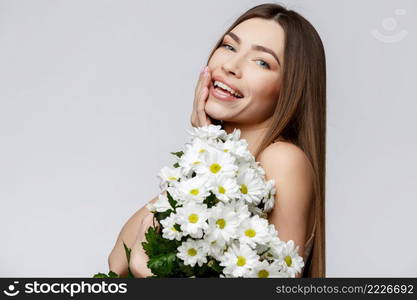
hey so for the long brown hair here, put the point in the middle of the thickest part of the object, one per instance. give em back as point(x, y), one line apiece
point(300, 113)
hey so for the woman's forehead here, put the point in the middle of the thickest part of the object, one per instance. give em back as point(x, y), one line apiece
point(267, 33)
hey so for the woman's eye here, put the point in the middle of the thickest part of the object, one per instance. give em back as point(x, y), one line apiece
point(226, 45)
point(265, 63)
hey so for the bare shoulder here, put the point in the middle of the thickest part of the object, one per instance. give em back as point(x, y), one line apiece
point(290, 168)
point(284, 156)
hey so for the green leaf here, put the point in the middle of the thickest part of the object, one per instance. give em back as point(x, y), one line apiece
point(211, 200)
point(161, 252)
point(113, 275)
point(110, 275)
point(127, 252)
point(177, 227)
point(176, 165)
point(179, 153)
point(151, 244)
point(100, 275)
point(162, 215)
point(171, 201)
point(155, 244)
point(205, 271)
point(186, 269)
point(162, 265)
point(214, 264)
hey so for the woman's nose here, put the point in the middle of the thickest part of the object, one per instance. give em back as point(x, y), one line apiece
point(232, 66)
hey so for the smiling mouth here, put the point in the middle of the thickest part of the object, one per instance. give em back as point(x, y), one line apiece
point(225, 91)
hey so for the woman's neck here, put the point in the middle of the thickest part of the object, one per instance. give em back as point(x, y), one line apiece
point(252, 133)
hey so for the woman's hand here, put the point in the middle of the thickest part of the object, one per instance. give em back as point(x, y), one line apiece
point(198, 116)
point(138, 257)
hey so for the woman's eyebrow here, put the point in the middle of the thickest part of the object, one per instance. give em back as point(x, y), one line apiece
point(255, 47)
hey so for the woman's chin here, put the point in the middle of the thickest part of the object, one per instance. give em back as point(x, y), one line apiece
point(215, 110)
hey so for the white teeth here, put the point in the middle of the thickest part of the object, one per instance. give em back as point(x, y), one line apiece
point(227, 88)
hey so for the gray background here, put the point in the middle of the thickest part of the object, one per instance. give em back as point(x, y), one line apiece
point(95, 94)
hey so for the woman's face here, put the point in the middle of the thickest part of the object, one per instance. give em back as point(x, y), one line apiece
point(256, 74)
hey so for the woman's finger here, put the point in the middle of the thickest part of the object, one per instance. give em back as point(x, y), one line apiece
point(198, 91)
point(202, 100)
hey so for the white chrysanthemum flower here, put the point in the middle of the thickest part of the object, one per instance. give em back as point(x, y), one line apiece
point(175, 193)
point(168, 175)
point(254, 230)
point(223, 223)
point(193, 219)
point(216, 247)
point(275, 246)
point(193, 189)
point(193, 155)
point(289, 259)
point(208, 132)
point(273, 230)
point(241, 209)
point(269, 200)
point(216, 163)
point(225, 188)
point(235, 135)
point(193, 252)
point(238, 148)
point(252, 187)
point(256, 166)
point(169, 231)
point(239, 260)
point(272, 245)
point(243, 166)
point(162, 204)
point(266, 270)
point(256, 211)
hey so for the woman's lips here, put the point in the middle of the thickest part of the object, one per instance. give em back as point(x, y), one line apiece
point(221, 95)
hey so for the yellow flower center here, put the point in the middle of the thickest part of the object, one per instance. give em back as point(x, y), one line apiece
point(173, 229)
point(225, 150)
point(221, 223)
point(194, 192)
point(196, 162)
point(172, 178)
point(241, 261)
point(244, 189)
point(263, 274)
point(222, 190)
point(202, 150)
point(288, 260)
point(193, 218)
point(192, 252)
point(214, 168)
point(250, 233)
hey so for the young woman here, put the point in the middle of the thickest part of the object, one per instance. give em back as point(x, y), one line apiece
point(272, 62)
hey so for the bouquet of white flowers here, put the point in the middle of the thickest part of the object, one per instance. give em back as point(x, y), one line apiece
point(213, 216)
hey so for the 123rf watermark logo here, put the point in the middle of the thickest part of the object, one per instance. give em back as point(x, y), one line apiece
point(72, 289)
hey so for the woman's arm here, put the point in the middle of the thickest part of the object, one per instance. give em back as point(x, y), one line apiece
point(138, 257)
point(293, 174)
point(129, 234)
